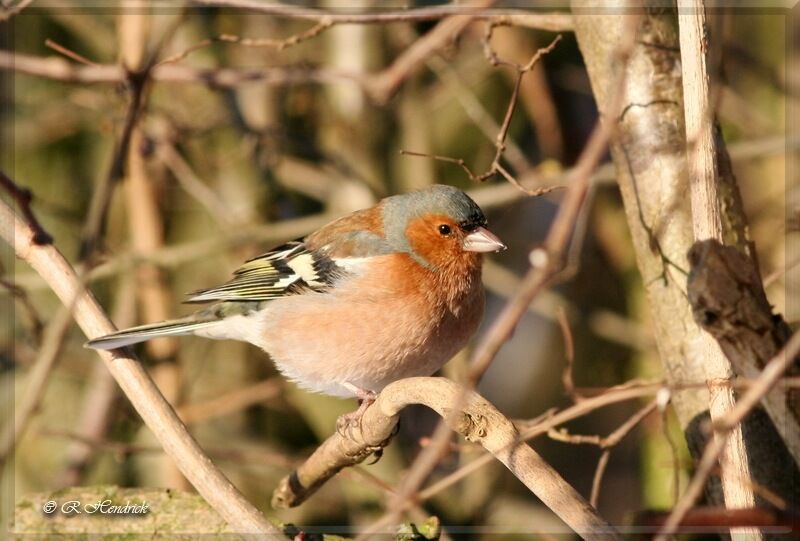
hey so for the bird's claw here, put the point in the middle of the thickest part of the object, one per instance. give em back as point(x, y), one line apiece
point(345, 424)
point(376, 456)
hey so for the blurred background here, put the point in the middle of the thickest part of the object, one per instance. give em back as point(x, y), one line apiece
point(213, 174)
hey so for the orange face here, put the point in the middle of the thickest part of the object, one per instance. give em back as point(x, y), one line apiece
point(438, 239)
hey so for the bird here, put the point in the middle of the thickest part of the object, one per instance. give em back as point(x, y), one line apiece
point(381, 294)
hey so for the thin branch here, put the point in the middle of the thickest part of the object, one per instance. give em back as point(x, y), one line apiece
point(101, 197)
point(382, 86)
point(231, 402)
point(536, 279)
point(16, 9)
point(24, 299)
point(597, 479)
point(707, 224)
point(613, 395)
point(100, 395)
point(552, 21)
point(539, 427)
point(500, 139)
point(59, 69)
point(476, 111)
point(134, 381)
point(502, 135)
point(279, 44)
point(768, 378)
point(37, 380)
point(479, 421)
point(72, 55)
point(241, 457)
point(611, 441)
point(193, 186)
point(673, 448)
point(569, 354)
point(550, 260)
point(23, 198)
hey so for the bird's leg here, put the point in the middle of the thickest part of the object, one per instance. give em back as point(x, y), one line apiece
point(345, 423)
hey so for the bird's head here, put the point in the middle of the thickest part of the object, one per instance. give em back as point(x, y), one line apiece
point(438, 225)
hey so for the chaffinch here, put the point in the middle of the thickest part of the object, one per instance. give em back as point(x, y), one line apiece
point(385, 293)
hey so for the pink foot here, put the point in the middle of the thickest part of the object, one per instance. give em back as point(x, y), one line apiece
point(346, 423)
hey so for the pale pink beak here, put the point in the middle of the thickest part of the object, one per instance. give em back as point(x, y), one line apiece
point(482, 240)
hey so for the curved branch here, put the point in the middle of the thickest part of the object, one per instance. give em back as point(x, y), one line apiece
point(135, 382)
point(478, 421)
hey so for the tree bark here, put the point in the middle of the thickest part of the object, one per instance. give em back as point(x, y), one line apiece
point(649, 153)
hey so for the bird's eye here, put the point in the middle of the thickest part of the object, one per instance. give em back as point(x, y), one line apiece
point(444, 229)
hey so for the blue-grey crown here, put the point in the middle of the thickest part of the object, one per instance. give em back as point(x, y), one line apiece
point(437, 199)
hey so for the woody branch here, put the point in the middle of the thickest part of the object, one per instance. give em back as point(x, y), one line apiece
point(477, 420)
point(134, 380)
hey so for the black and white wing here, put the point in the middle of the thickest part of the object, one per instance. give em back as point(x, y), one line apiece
point(289, 269)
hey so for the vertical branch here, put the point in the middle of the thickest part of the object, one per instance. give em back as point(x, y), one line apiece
point(774, 370)
point(146, 227)
point(659, 213)
point(707, 223)
point(701, 151)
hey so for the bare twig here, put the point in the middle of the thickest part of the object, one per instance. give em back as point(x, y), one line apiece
point(535, 93)
point(101, 197)
point(768, 378)
point(21, 295)
point(569, 354)
point(382, 86)
point(707, 223)
point(776, 275)
point(193, 186)
point(38, 377)
point(100, 394)
point(479, 421)
point(134, 380)
point(10, 11)
point(240, 456)
point(534, 282)
point(23, 197)
point(551, 21)
point(548, 260)
point(612, 440)
point(527, 432)
point(673, 448)
point(61, 70)
point(476, 111)
point(230, 402)
point(279, 44)
point(72, 55)
point(500, 140)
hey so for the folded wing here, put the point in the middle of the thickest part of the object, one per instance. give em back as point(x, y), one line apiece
point(290, 269)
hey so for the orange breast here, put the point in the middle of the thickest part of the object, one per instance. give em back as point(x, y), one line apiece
point(397, 320)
